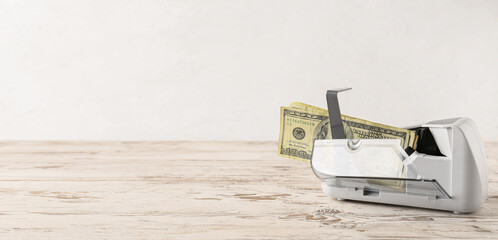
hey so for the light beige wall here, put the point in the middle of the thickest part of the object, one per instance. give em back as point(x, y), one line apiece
point(219, 70)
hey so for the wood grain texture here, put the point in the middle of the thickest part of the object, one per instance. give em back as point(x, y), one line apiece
point(200, 190)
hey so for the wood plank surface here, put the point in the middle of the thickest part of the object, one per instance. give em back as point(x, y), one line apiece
point(200, 190)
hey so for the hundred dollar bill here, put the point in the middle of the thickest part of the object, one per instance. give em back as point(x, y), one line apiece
point(298, 130)
point(301, 124)
point(363, 129)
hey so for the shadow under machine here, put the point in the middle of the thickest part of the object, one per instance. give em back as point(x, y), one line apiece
point(448, 171)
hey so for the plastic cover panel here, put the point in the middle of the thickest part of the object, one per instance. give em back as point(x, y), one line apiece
point(364, 158)
point(379, 164)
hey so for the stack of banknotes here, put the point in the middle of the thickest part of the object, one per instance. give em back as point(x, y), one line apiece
point(301, 124)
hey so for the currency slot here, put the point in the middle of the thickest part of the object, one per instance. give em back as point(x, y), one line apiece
point(426, 142)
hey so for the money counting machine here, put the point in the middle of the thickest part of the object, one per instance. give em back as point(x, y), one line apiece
point(448, 170)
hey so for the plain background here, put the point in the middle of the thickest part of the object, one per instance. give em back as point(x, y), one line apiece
point(220, 70)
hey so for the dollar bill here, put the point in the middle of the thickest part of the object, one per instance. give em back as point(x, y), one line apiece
point(301, 124)
point(357, 128)
point(298, 130)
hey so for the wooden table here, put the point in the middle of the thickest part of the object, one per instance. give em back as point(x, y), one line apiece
point(199, 190)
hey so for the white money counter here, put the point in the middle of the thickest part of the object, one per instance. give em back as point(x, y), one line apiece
point(448, 171)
